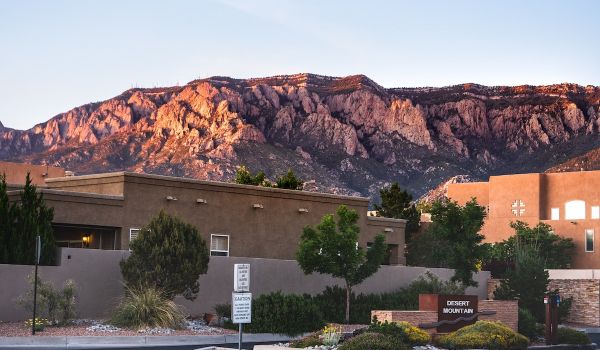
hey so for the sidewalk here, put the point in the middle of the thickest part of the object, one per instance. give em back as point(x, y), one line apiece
point(134, 341)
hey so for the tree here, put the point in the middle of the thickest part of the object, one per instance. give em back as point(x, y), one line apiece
point(332, 248)
point(556, 252)
point(452, 240)
point(31, 217)
point(167, 254)
point(528, 281)
point(243, 176)
point(289, 181)
point(397, 203)
point(6, 221)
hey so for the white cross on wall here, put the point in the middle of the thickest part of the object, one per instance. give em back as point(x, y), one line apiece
point(518, 208)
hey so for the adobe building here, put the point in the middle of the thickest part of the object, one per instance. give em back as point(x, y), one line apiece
point(569, 202)
point(16, 172)
point(106, 211)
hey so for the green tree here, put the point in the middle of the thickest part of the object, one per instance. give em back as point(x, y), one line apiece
point(398, 204)
point(332, 248)
point(527, 282)
point(6, 222)
point(556, 252)
point(243, 176)
point(167, 254)
point(289, 181)
point(31, 217)
point(452, 240)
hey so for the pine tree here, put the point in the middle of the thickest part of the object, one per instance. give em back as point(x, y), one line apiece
point(6, 221)
point(397, 203)
point(290, 181)
point(168, 254)
point(31, 218)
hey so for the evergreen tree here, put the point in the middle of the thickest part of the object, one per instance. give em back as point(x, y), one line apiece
point(290, 181)
point(31, 217)
point(168, 254)
point(332, 248)
point(243, 176)
point(6, 221)
point(452, 240)
point(397, 203)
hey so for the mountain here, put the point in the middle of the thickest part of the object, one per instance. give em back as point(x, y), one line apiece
point(342, 135)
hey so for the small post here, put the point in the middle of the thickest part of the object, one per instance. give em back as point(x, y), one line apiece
point(240, 339)
point(38, 249)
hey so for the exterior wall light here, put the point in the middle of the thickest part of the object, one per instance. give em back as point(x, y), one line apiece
point(257, 206)
point(388, 229)
point(201, 201)
point(171, 198)
point(303, 210)
point(86, 239)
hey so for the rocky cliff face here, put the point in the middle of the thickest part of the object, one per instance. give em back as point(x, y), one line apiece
point(343, 135)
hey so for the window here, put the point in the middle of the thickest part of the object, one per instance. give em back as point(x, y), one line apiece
point(133, 233)
point(518, 208)
point(575, 210)
point(595, 212)
point(555, 214)
point(589, 240)
point(219, 245)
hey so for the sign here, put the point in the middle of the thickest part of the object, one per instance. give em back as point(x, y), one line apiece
point(241, 277)
point(241, 307)
point(452, 307)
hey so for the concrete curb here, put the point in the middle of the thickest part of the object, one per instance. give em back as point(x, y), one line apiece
point(90, 342)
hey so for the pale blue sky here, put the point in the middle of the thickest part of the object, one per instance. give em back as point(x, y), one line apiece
point(56, 55)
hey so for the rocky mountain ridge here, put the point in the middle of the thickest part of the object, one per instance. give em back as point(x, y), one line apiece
point(343, 135)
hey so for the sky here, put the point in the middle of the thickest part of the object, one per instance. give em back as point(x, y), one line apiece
point(57, 55)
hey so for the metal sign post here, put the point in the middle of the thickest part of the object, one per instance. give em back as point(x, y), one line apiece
point(241, 300)
point(38, 251)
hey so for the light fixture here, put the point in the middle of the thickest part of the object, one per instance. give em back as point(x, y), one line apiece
point(201, 201)
point(303, 210)
point(86, 239)
point(171, 198)
point(388, 229)
point(257, 206)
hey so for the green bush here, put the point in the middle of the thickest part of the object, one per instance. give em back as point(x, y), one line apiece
point(373, 341)
point(571, 336)
point(59, 306)
point(331, 301)
point(285, 314)
point(484, 335)
point(168, 254)
point(408, 333)
point(147, 307)
point(527, 323)
point(308, 341)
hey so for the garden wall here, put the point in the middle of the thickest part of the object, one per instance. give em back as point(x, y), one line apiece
point(584, 287)
point(98, 279)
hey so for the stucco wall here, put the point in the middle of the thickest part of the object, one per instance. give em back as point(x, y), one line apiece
point(98, 278)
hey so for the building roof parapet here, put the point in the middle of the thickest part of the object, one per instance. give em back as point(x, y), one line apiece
point(72, 194)
point(386, 220)
point(131, 177)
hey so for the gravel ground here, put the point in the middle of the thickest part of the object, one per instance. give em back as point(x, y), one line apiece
point(98, 328)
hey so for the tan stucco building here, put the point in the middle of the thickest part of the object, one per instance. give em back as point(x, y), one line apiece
point(16, 172)
point(569, 202)
point(236, 220)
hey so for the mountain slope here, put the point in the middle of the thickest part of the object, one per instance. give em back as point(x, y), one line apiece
point(343, 135)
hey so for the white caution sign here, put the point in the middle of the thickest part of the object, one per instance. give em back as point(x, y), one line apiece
point(241, 277)
point(241, 307)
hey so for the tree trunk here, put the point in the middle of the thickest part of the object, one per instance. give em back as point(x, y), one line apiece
point(348, 293)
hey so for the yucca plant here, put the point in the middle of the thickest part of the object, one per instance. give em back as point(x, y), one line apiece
point(147, 307)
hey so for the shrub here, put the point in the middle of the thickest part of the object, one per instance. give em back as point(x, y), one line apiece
point(484, 335)
point(168, 254)
point(308, 341)
point(147, 307)
point(331, 335)
point(289, 181)
point(527, 323)
point(59, 306)
point(373, 341)
point(285, 314)
point(408, 333)
point(571, 336)
point(223, 310)
point(40, 323)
